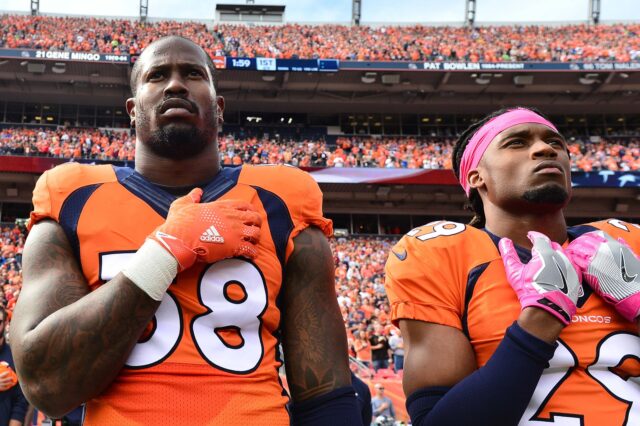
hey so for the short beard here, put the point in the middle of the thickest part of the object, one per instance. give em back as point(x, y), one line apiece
point(179, 142)
point(547, 195)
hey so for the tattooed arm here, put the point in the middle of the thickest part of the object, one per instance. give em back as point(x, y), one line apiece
point(314, 338)
point(69, 343)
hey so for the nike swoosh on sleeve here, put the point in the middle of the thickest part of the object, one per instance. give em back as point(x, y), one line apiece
point(400, 256)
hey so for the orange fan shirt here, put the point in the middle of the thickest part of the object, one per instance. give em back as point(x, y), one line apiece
point(210, 355)
point(452, 274)
point(6, 368)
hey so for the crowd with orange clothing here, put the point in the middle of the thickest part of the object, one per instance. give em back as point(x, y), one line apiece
point(11, 246)
point(606, 155)
point(504, 43)
point(373, 340)
point(616, 154)
point(72, 143)
point(389, 152)
point(79, 34)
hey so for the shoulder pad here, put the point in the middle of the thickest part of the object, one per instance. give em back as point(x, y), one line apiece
point(289, 183)
point(68, 177)
point(451, 239)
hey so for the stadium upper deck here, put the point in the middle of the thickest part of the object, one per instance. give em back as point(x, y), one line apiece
point(621, 154)
point(384, 95)
point(545, 43)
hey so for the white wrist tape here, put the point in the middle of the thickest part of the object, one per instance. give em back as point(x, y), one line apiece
point(152, 269)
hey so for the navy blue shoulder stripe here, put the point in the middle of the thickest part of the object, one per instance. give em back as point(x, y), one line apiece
point(280, 222)
point(472, 280)
point(70, 214)
point(281, 226)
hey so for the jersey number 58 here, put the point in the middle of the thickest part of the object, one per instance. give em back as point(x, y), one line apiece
point(226, 312)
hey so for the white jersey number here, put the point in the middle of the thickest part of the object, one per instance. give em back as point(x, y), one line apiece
point(609, 357)
point(612, 351)
point(225, 312)
point(559, 370)
point(440, 228)
point(622, 225)
point(242, 315)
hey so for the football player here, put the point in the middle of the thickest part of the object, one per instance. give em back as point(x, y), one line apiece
point(517, 319)
point(162, 293)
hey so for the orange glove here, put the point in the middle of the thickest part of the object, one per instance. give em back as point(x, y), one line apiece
point(8, 378)
point(208, 232)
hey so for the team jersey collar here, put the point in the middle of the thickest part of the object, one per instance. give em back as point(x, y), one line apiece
point(524, 254)
point(159, 197)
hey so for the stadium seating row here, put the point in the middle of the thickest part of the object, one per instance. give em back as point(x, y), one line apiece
point(569, 43)
point(616, 154)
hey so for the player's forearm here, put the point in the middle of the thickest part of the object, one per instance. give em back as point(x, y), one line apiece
point(75, 353)
point(314, 339)
point(496, 394)
point(315, 343)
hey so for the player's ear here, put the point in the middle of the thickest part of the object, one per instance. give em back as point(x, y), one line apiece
point(131, 110)
point(220, 109)
point(474, 177)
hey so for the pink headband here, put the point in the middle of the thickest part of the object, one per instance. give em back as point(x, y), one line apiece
point(484, 135)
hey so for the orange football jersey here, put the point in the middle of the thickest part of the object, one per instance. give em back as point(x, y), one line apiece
point(211, 355)
point(452, 274)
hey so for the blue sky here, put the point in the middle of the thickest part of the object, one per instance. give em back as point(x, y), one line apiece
point(340, 10)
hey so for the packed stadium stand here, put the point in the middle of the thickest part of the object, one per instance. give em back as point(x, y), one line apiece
point(11, 244)
point(376, 131)
point(416, 43)
point(615, 154)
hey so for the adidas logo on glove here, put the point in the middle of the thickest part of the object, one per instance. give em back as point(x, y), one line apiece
point(211, 235)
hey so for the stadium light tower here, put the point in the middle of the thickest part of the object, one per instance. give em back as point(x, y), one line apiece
point(144, 10)
point(356, 12)
point(470, 12)
point(35, 7)
point(594, 12)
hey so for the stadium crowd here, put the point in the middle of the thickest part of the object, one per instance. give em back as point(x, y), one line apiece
point(11, 246)
point(391, 152)
point(67, 143)
point(616, 153)
point(567, 43)
point(365, 309)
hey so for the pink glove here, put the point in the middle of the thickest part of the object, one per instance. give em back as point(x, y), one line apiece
point(549, 281)
point(611, 268)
